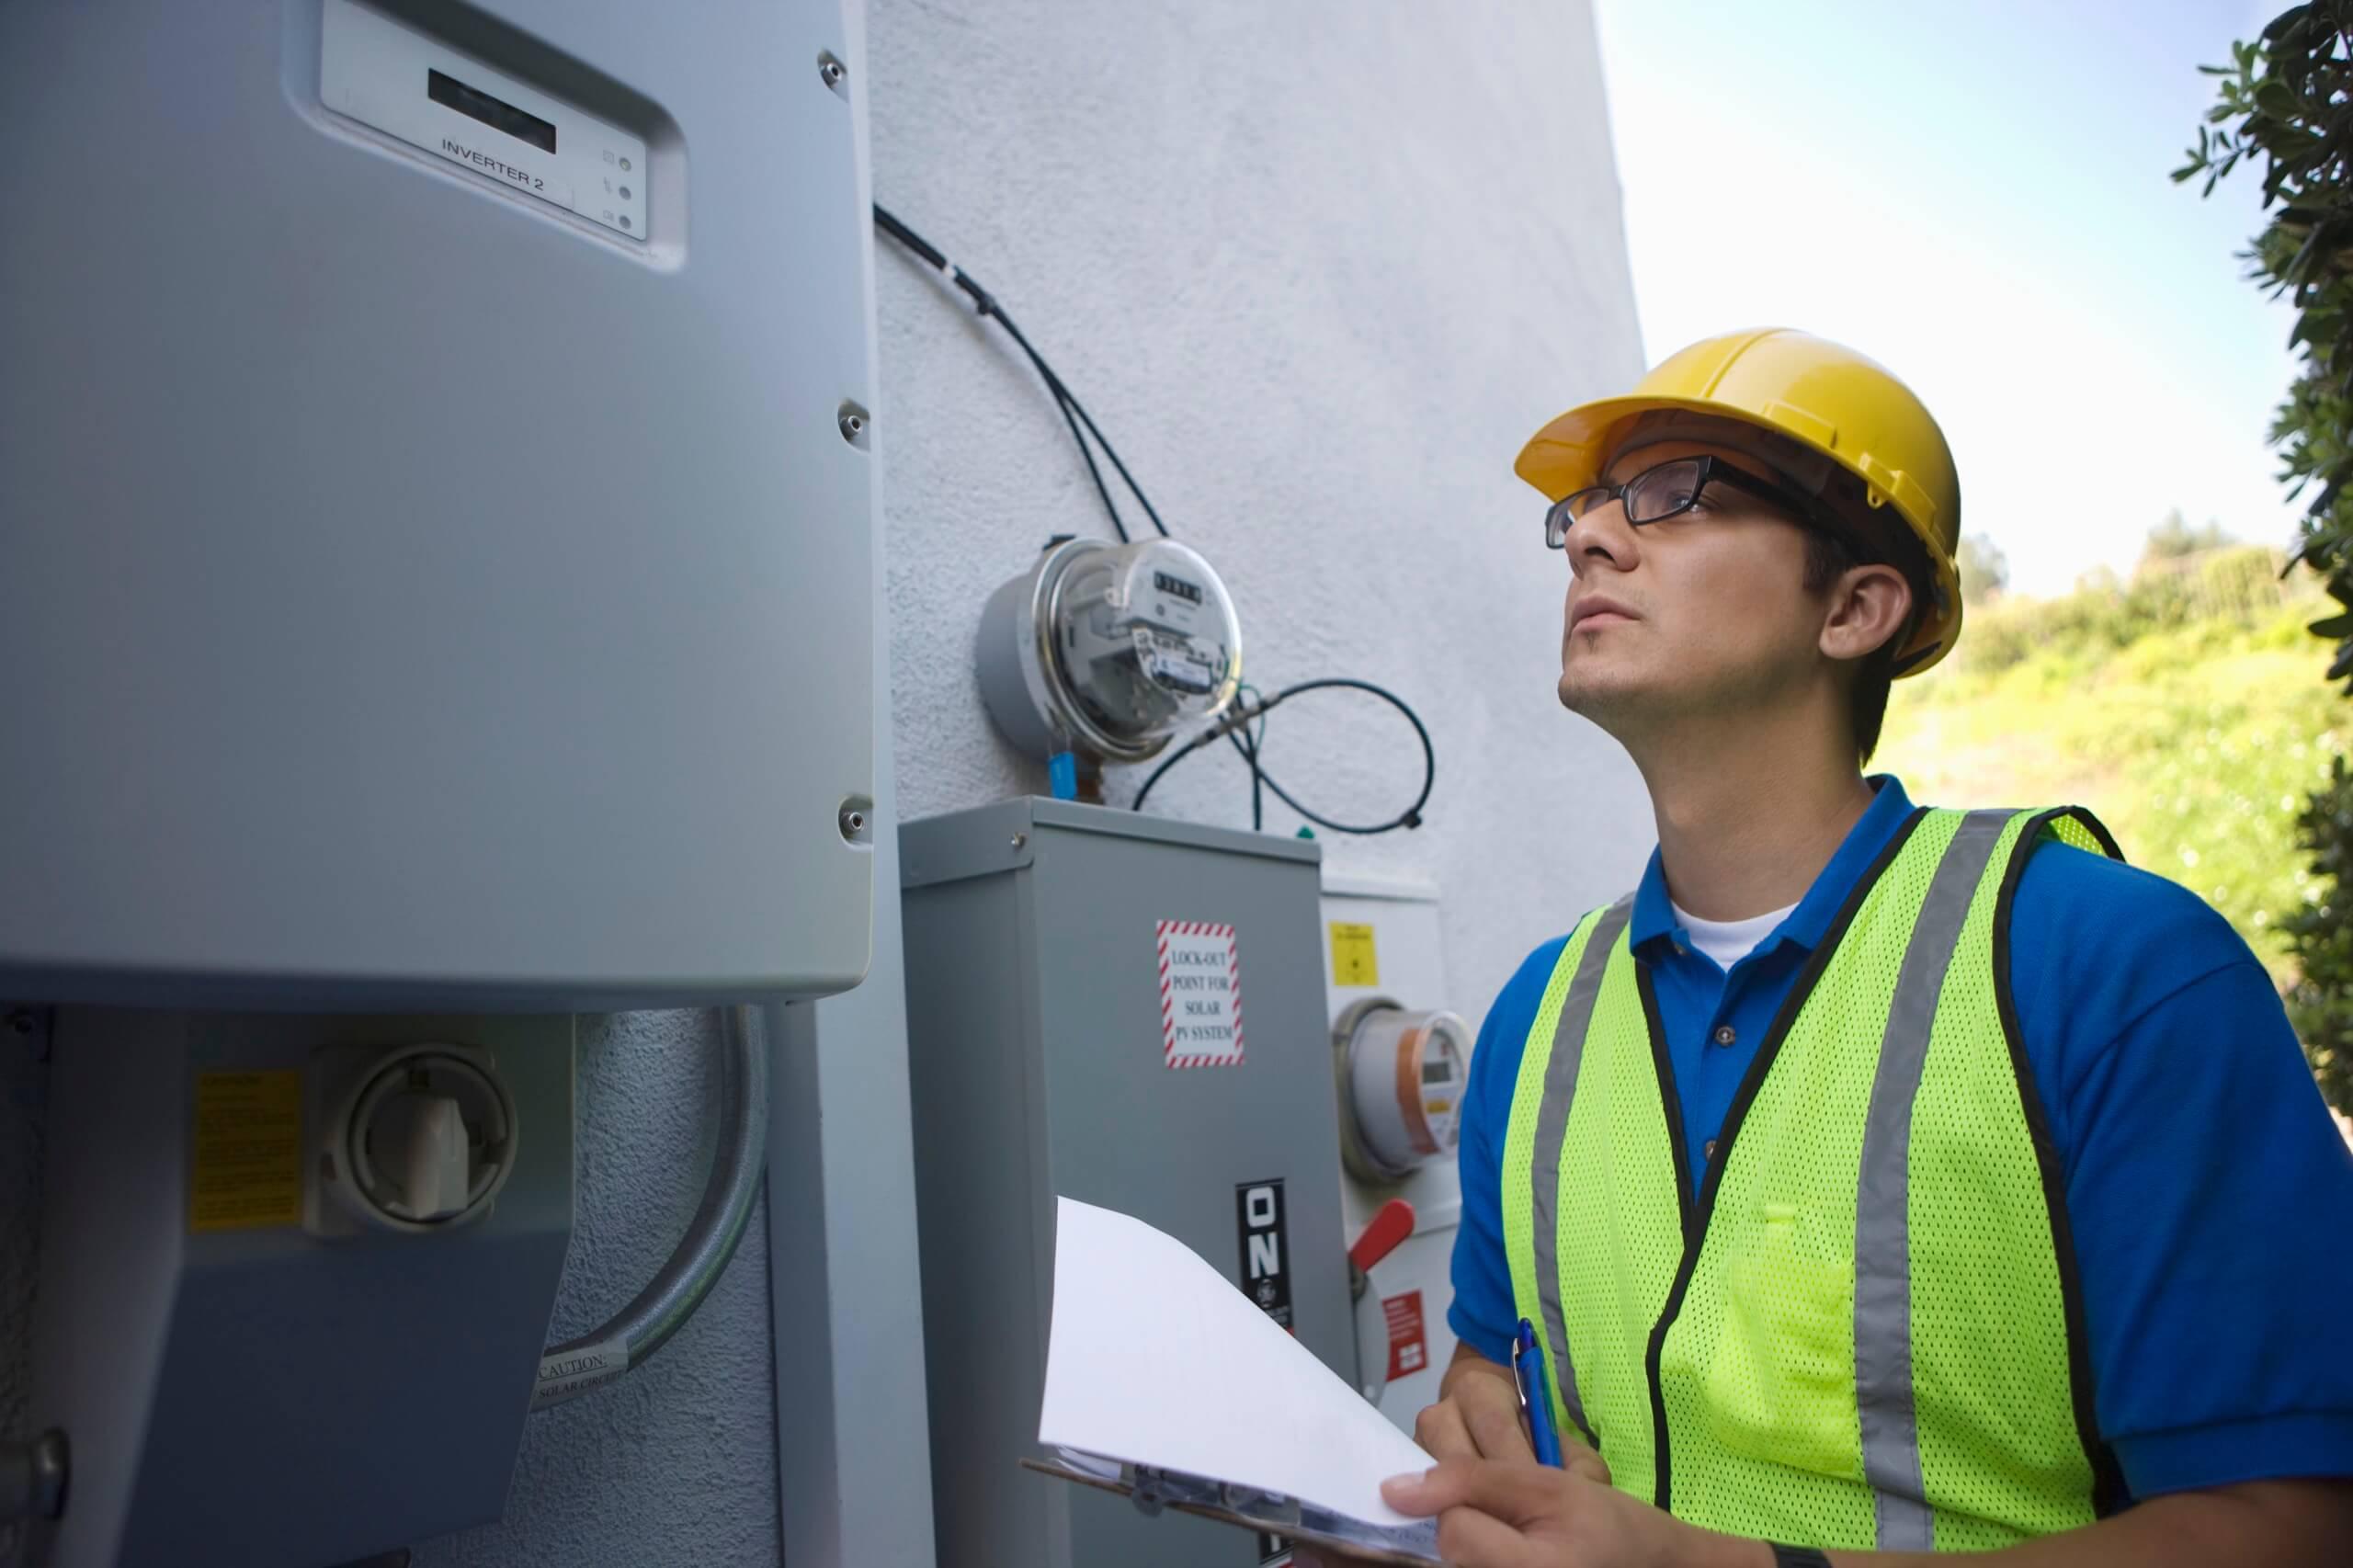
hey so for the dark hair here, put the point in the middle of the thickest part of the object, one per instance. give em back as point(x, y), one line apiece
point(1827, 557)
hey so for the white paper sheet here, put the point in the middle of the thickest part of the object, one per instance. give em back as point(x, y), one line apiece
point(1155, 1359)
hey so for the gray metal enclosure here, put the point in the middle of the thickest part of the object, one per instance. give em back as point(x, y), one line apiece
point(1037, 1056)
point(421, 593)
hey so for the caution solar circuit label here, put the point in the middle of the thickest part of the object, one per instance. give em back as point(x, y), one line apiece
point(1354, 959)
point(245, 1166)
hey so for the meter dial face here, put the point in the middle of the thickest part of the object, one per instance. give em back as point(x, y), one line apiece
point(1441, 1061)
point(1107, 649)
point(1145, 639)
point(1403, 1076)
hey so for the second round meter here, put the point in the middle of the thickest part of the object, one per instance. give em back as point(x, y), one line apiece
point(1401, 1075)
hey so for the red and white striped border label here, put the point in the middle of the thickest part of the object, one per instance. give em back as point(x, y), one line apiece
point(1193, 936)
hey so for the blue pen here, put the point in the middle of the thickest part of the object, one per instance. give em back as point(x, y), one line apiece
point(1535, 1393)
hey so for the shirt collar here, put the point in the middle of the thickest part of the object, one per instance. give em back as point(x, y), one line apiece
point(1652, 925)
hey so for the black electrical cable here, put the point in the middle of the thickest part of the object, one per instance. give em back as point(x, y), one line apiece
point(1118, 525)
point(1072, 405)
point(1250, 741)
point(1410, 817)
point(1236, 727)
point(1073, 412)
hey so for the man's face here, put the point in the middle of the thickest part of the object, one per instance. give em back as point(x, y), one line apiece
point(1701, 613)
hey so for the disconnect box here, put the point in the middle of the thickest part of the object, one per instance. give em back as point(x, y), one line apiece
point(262, 1356)
point(1128, 1011)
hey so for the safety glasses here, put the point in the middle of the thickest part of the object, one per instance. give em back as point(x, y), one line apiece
point(1670, 490)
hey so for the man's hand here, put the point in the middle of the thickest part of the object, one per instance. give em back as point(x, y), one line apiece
point(1477, 1414)
point(1517, 1514)
point(1477, 1417)
point(1514, 1513)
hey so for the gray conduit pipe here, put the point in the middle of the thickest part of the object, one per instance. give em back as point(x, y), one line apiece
point(576, 1366)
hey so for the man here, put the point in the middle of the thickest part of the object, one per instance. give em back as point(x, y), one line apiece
point(1877, 1181)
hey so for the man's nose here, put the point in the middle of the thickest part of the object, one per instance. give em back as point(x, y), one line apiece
point(1602, 537)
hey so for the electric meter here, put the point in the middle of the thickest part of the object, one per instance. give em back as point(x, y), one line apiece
point(1109, 649)
point(1402, 1076)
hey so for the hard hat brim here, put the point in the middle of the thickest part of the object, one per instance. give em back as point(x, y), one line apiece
point(1570, 453)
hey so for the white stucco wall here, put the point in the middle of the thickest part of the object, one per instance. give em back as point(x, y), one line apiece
point(1318, 268)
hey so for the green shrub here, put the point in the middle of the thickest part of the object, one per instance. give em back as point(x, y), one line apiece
point(2236, 586)
point(2321, 939)
point(2282, 104)
point(2197, 744)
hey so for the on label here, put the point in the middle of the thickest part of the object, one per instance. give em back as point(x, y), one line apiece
point(246, 1171)
point(1353, 960)
point(1265, 1248)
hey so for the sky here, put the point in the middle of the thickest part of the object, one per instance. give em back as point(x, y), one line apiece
point(1976, 196)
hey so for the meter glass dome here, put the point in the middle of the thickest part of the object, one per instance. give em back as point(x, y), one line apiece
point(1110, 649)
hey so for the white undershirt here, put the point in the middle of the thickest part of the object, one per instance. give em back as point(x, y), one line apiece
point(1728, 942)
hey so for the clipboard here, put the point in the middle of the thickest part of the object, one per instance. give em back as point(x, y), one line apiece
point(1268, 1513)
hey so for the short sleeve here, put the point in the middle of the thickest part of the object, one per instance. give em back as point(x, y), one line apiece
point(2209, 1192)
point(1482, 1315)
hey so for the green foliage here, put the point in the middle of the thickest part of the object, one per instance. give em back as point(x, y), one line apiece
point(2196, 742)
point(1985, 570)
point(2321, 939)
point(2174, 538)
point(2238, 588)
point(2285, 102)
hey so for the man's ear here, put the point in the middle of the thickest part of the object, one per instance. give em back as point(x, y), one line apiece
point(1868, 608)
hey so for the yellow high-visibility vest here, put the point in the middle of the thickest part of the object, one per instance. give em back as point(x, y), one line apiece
point(1864, 1328)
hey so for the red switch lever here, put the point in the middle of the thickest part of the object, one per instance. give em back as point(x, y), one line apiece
point(1383, 1234)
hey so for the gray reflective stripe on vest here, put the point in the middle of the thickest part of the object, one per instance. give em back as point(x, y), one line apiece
point(1891, 1428)
point(1551, 1126)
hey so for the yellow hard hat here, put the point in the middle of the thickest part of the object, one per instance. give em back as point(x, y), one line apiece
point(1829, 400)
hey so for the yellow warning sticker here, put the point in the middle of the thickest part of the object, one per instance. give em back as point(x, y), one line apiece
point(248, 1172)
point(1353, 961)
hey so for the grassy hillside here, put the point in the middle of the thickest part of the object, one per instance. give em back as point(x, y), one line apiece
point(2186, 707)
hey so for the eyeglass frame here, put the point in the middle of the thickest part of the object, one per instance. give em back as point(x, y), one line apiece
point(1712, 469)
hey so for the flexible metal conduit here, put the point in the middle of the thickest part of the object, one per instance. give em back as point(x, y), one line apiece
point(573, 1368)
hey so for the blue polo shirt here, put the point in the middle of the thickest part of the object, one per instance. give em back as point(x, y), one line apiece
point(2209, 1193)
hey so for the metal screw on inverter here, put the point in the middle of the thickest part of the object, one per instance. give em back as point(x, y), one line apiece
point(855, 423)
point(29, 1027)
